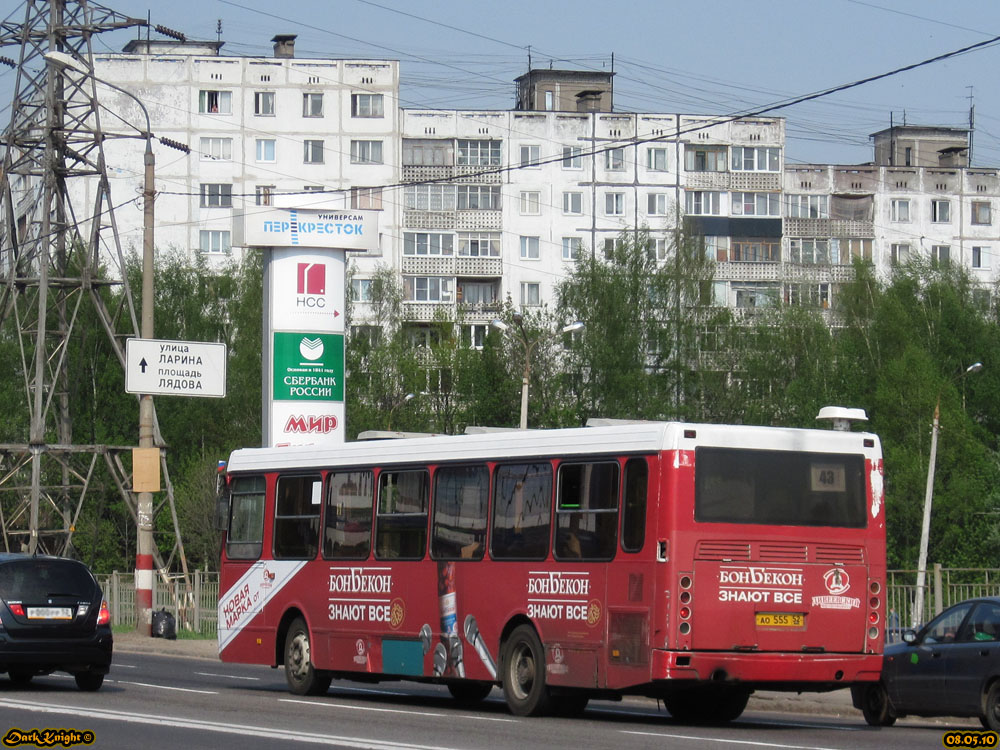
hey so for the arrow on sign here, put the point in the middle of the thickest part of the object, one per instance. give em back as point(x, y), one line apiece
point(142, 364)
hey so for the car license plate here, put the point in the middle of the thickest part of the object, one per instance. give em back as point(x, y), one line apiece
point(781, 620)
point(50, 613)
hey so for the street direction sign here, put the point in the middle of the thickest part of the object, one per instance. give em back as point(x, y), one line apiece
point(175, 368)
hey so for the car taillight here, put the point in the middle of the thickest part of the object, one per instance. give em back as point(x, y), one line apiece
point(17, 609)
point(105, 615)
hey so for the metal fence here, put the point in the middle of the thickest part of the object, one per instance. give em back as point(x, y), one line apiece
point(195, 607)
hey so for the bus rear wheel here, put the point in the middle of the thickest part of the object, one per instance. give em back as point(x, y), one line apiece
point(524, 673)
point(302, 677)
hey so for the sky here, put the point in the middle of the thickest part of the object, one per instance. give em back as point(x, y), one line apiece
point(717, 57)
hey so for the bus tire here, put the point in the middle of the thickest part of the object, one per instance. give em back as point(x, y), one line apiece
point(469, 693)
point(302, 677)
point(523, 676)
point(876, 707)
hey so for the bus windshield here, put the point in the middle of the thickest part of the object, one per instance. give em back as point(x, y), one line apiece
point(782, 488)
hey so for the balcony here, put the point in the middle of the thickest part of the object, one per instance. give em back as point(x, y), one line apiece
point(452, 173)
point(840, 228)
point(760, 271)
point(451, 265)
point(429, 312)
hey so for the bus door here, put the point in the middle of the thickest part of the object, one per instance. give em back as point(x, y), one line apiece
point(630, 582)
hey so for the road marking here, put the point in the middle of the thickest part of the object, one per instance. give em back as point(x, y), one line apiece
point(227, 676)
point(124, 666)
point(803, 725)
point(168, 687)
point(389, 710)
point(362, 743)
point(728, 742)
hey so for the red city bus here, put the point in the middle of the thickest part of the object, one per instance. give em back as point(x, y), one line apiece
point(687, 562)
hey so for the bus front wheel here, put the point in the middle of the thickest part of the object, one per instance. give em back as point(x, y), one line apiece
point(303, 678)
point(524, 673)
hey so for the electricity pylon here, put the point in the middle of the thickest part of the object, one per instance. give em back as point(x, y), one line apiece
point(51, 252)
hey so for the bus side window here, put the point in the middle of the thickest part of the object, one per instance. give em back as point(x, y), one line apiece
point(246, 519)
point(461, 494)
point(587, 511)
point(296, 517)
point(401, 523)
point(522, 504)
point(634, 504)
point(347, 533)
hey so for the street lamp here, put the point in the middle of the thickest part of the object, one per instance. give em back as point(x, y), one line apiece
point(529, 344)
point(144, 500)
point(925, 526)
point(395, 406)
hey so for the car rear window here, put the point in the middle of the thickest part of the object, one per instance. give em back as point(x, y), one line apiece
point(31, 579)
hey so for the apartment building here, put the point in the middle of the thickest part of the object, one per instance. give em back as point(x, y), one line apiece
point(482, 206)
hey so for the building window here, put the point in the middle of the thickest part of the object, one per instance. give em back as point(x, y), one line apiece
point(366, 197)
point(573, 203)
point(656, 204)
point(757, 294)
point(940, 254)
point(705, 159)
point(810, 251)
point(477, 292)
point(215, 102)
point(216, 195)
point(263, 103)
point(474, 335)
point(756, 204)
point(703, 202)
point(366, 152)
point(312, 105)
point(213, 241)
point(216, 149)
point(530, 294)
point(940, 211)
point(899, 254)
point(853, 248)
point(899, 209)
point(428, 153)
point(429, 197)
point(428, 243)
point(656, 159)
point(530, 203)
point(572, 157)
point(657, 248)
point(478, 197)
point(478, 153)
point(312, 152)
point(614, 159)
point(530, 156)
point(979, 257)
point(361, 289)
point(265, 149)
point(610, 244)
point(427, 289)
point(756, 159)
point(264, 195)
point(758, 251)
point(529, 248)
point(614, 204)
point(981, 213)
point(807, 206)
point(366, 105)
point(479, 244)
point(808, 295)
point(549, 101)
point(572, 248)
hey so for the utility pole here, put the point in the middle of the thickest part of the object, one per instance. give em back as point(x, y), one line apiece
point(50, 253)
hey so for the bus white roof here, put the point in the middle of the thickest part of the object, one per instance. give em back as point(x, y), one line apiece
point(619, 439)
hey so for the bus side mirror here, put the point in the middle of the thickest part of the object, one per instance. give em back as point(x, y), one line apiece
point(222, 512)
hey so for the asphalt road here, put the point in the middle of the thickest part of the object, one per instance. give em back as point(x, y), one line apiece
point(159, 700)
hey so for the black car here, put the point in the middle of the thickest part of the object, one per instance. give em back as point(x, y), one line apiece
point(951, 667)
point(53, 616)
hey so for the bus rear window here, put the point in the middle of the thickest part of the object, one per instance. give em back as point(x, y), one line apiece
point(779, 488)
